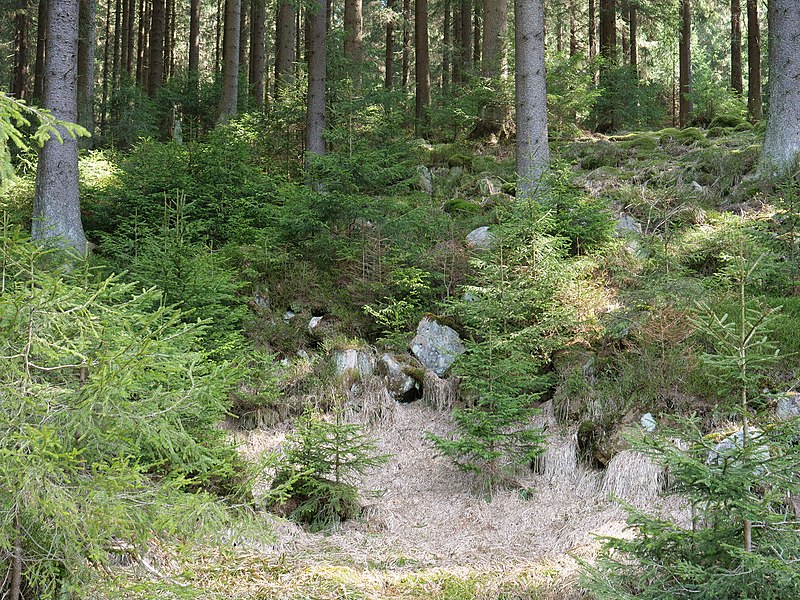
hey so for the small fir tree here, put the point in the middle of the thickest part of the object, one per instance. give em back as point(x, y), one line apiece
point(320, 468)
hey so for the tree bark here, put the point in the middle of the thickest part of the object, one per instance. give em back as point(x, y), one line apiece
point(447, 49)
point(406, 43)
point(244, 30)
point(422, 67)
point(633, 20)
point(56, 204)
point(19, 78)
point(126, 18)
point(753, 62)
point(117, 60)
point(388, 76)
point(573, 28)
point(736, 46)
point(592, 30)
point(685, 59)
point(87, 41)
point(218, 38)
point(41, 39)
point(317, 73)
point(155, 73)
point(781, 149)
point(106, 75)
point(353, 38)
point(494, 66)
point(194, 44)
point(476, 36)
point(258, 51)
point(466, 34)
point(141, 52)
point(284, 44)
point(230, 62)
point(458, 57)
point(169, 6)
point(608, 31)
point(532, 151)
point(131, 36)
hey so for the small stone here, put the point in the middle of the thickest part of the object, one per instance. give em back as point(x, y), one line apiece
point(289, 315)
point(313, 324)
point(648, 422)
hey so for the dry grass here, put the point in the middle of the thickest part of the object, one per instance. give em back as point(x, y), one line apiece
point(430, 534)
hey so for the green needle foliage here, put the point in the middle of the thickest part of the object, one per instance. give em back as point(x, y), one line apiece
point(320, 469)
point(513, 312)
point(743, 542)
point(108, 410)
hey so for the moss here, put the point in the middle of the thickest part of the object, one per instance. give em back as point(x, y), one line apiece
point(459, 205)
point(744, 126)
point(641, 142)
point(460, 160)
point(602, 154)
point(726, 121)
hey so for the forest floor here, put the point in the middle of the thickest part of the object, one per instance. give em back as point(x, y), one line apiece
point(428, 531)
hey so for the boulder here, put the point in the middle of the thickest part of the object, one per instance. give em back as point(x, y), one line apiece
point(424, 180)
point(356, 361)
point(480, 238)
point(788, 406)
point(313, 324)
point(400, 385)
point(627, 225)
point(732, 444)
point(648, 422)
point(436, 345)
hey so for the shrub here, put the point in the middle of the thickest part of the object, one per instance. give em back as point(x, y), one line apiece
point(319, 469)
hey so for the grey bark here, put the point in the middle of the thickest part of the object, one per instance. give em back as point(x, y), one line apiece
point(258, 51)
point(388, 76)
point(353, 40)
point(422, 69)
point(87, 41)
point(447, 49)
point(532, 151)
point(230, 62)
point(781, 148)
point(56, 203)
point(736, 46)
point(19, 79)
point(753, 62)
point(194, 43)
point(155, 73)
point(406, 43)
point(495, 39)
point(284, 44)
point(243, 35)
point(317, 72)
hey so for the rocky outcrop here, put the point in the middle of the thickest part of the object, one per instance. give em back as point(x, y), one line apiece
point(400, 385)
point(436, 345)
point(480, 238)
point(356, 361)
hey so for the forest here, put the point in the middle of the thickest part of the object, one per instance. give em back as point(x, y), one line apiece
point(413, 299)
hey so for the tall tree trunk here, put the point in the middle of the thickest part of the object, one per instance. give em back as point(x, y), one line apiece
point(781, 149)
point(258, 51)
point(592, 30)
point(388, 77)
point(244, 30)
point(87, 41)
point(625, 14)
point(106, 75)
point(141, 52)
point(128, 66)
point(284, 44)
point(406, 43)
point(608, 31)
point(299, 22)
point(117, 62)
point(736, 46)
point(19, 78)
point(476, 36)
point(41, 41)
point(126, 19)
point(56, 203)
point(155, 74)
point(317, 73)
point(685, 59)
point(633, 20)
point(230, 62)
point(494, 66)
point(422, 67)
point(447, 49)
point(573, 28)
point(465, 43)
point(194, 44)
point(753, 62)
point(167, 39)
point(458, 56)
point(532, 151)
point(353, 38)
